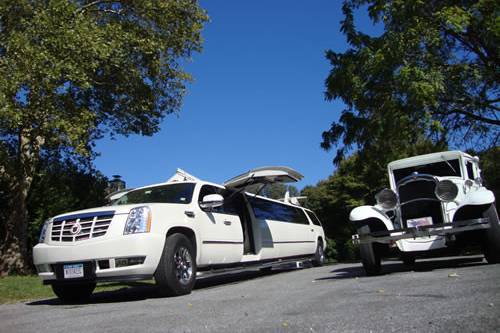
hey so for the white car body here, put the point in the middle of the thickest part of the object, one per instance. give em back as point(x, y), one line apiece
point(432, 223)
point(96, 236)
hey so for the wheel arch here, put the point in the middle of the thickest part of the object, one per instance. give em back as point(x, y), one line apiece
point(374, 223)
point(369, 215)
point(189, 233)
point(470, 211)
point(322, 240)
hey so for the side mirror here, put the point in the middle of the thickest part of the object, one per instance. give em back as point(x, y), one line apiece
point(212, 201)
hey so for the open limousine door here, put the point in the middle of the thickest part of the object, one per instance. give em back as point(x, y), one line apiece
point(263, 176)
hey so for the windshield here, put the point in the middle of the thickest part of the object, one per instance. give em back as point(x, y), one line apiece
point(180, 193)
point(441, 169)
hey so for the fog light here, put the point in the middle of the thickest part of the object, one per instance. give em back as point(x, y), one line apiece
point(43, 268)
point(103, 264)
point(122, 262)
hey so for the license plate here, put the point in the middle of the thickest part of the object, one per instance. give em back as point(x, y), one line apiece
point(418, 222)
point(73, 271)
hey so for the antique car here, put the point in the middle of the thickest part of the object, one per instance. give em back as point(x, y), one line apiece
point(435, 202)
point(175, 231)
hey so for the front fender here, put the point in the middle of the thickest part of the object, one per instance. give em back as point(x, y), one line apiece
point(480, 197)
point(360, 214)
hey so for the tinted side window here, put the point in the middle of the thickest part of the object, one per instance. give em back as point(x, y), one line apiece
point(470, 169)
point(314, 218)
point(228, 206)
point(300, 216)
point(268, 210)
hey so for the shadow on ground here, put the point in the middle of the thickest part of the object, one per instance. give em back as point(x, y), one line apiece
point(391, 267)
point(138, 291)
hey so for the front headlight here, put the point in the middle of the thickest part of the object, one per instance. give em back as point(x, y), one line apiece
point(41, 239)
point(387, 199)
point(138, 221)
point(446, 190)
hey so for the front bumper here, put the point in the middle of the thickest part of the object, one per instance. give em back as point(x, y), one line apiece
point(389, 236)
point(48, 258)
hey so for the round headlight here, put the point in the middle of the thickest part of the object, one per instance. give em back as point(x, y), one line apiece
point(446, 190)
point(387, 199)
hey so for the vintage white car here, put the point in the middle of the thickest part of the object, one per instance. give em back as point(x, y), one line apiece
point(436, 201)
point(177, 230)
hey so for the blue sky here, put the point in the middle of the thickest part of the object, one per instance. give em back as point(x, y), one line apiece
point(257, 98)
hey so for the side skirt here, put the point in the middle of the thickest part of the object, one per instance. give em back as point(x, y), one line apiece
point(220, 269)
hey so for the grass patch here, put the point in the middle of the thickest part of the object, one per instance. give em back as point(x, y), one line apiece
point(25, 288)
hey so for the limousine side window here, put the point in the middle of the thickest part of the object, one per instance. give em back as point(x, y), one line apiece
point(228, 207)
point(314, 218)
point(268, 210)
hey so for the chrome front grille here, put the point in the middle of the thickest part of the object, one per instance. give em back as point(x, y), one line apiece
point(417, 199)
point(74, 228)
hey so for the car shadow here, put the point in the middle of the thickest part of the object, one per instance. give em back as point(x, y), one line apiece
point(138, 291)
point(392, 267)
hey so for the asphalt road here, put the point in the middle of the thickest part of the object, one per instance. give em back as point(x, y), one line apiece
point(446, 295)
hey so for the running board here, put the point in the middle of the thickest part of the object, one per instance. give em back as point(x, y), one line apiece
point(298, 263)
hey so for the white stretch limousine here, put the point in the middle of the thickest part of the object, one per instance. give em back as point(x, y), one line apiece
point(174, 231)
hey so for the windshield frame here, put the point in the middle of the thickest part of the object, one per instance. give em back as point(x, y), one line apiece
point(449, 159)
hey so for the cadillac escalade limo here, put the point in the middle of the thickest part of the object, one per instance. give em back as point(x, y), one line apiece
point(175, 230)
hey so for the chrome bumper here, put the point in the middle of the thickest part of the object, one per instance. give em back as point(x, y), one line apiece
point(388, 236)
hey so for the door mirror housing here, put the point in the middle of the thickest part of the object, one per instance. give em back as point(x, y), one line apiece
point(211, 201)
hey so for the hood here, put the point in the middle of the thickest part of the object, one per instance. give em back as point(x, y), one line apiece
point(107, 210)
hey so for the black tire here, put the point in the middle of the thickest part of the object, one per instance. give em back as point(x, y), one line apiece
point(370, 256)
point(492, 243)
point(319, 255)
point(73, 293)
point(408, 259)
point(176, 272)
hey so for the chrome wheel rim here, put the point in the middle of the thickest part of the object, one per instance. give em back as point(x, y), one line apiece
point(183, 265)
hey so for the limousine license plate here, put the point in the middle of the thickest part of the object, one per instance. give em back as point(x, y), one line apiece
point(73, 271)
point(418, 222)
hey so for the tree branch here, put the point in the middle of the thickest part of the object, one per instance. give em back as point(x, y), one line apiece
point(93, 3)
point(471, 116)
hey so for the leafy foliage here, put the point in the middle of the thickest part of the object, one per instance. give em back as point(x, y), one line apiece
point(72, 70)
point(432, 74)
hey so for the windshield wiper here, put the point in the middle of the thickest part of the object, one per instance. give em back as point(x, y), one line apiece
point(451, 166)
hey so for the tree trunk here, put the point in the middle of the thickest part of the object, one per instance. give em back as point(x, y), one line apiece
point(14, 256)
point(14, 253)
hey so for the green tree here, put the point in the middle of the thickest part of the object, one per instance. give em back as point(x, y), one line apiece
point(73, 71)
point(432, 74)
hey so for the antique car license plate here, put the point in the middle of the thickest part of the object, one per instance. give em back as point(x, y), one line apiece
point(418, 222)
point(73, 271)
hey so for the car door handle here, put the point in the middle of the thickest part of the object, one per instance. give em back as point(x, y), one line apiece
point(227, 222)
point(312, 230)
